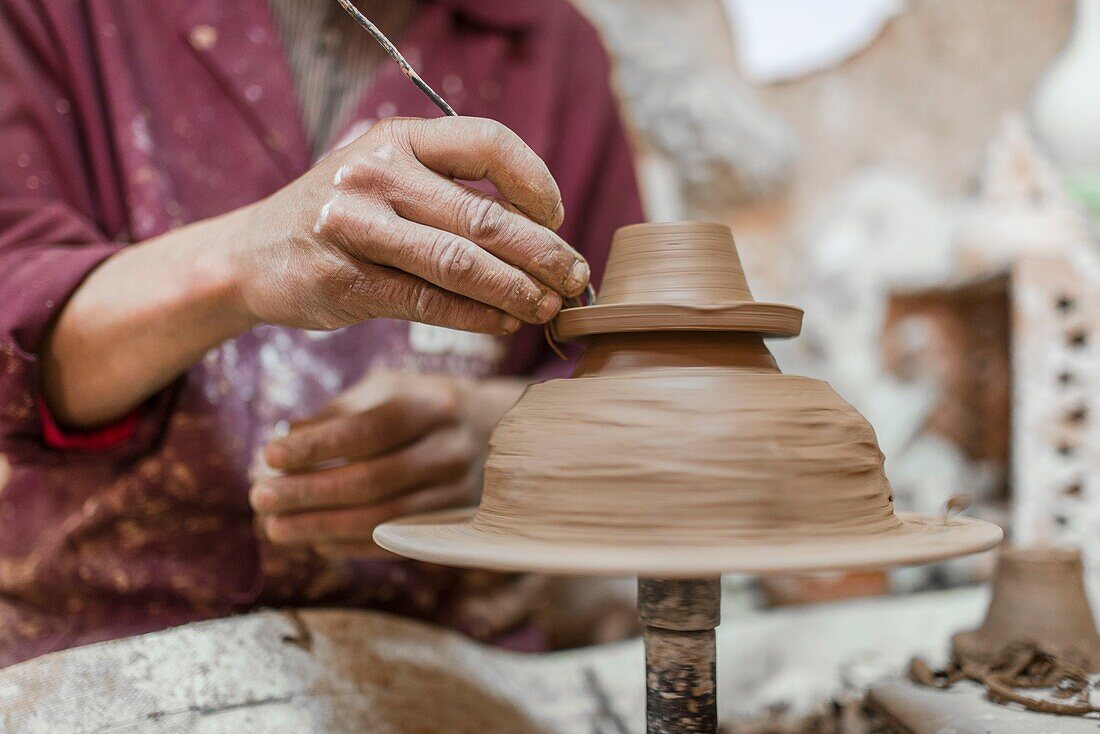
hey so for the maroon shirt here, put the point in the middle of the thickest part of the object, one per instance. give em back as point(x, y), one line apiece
point(120, 120)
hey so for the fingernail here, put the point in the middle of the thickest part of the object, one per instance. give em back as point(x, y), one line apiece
point(548, 307)
point(578, 277)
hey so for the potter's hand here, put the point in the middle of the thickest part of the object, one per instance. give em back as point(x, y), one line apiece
point(381, 228)
point(395, 444)
point(378, 228)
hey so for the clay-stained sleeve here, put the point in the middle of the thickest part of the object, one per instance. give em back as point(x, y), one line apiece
point(60, 210)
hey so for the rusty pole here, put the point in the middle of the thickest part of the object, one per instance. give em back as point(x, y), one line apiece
point(678, 618)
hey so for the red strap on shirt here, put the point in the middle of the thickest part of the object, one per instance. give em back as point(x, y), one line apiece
point(97, 439)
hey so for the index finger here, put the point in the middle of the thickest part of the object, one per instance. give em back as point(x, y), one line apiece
point(474, 148)
point(373, 432)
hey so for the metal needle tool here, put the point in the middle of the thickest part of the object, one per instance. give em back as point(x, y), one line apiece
point(441, 103)
point(391, 49)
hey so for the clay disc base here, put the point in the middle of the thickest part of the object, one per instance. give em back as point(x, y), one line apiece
point(449, 539)
point(770, 319)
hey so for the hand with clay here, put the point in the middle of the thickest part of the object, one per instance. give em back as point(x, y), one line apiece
point(396, 443)
point(380, 228)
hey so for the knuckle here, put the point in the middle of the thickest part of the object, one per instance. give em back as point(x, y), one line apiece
point(358, 233)
point(411, 135)
point(518, 296)
point(371, 230)
point(553, 261)
point(432, 305)
point(510, 147)
point(429, 305)
point(388, 128)
point(332, 220)
point(513, 291)
point(373, 171)
point(455, 259)
point(490, 132)
point(487, 219)
point(349, 294)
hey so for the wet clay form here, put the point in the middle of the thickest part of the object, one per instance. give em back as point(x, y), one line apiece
point(1038, 599)
point(678, 449)
point(675, 277)
point(676, 452)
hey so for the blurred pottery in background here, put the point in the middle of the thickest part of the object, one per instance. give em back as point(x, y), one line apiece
point(1038, 597)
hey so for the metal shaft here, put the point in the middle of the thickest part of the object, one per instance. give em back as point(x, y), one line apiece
point(678, 618)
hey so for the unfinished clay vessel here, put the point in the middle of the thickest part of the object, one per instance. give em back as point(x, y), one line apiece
point(678, 449)
point(1038, 597)
point(671, 277)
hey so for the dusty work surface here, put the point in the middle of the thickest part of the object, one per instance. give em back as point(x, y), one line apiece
point(331, 672)
point(964, 709)
point(337, 672)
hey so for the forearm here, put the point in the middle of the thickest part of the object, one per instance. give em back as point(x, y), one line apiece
point(144, 317)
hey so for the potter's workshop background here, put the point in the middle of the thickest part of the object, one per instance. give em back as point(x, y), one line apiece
point(919, 177)
point(923, 178)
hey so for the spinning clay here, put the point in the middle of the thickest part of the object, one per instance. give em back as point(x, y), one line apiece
point(678, 449)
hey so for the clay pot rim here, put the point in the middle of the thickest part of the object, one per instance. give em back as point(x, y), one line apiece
point(675, 226)
point(447, 537)
point(774, 320)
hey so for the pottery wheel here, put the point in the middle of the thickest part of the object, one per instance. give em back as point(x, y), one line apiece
point(677, 452)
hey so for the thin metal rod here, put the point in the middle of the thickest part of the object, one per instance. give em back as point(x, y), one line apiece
point(679, 617)
point(391, 49)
